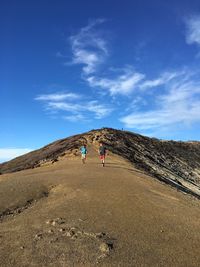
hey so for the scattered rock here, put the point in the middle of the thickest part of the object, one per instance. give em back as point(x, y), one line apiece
point(53, 223)
point(49, 222)
point(104, 248)
point(109, 243)
point(38, 236)
point(68, 234)
point(56, 221)
point(72, 232)
point(54, 160)
point(100, 235)
point(59, 220)
point(80, 232)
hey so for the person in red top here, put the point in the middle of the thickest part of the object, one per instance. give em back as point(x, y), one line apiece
point(102, 153)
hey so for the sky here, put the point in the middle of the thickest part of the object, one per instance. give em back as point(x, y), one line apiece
point(67, 67)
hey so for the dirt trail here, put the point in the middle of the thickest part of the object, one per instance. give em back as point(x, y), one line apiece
point(69, 214)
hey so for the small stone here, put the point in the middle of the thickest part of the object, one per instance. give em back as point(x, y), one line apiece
point(72, 232)
point(79, 232)
point(38, 236)
point(110, 244)
point(104, 248)
point(62, 230)
point(22, 247)
point(53, 223)
point(59, 220)
point(50, 231)
point(49, 222)
point(68, 234)
point(100, 235)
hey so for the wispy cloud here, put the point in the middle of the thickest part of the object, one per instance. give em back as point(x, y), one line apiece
point(75, 118)
point(76, 107)
point(162, 80)
point(179, 106)
point(10, 153)
point(88, 47)
point(99, 110)
point(193, 29)
point(58, 97)
point(123, 84)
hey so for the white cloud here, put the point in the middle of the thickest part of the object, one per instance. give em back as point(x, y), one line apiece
point(71, 107)
point(124, 84)
point(77, 107)
point(10, 153)
point(99, 110)
point(89, 48)
point(75, 118)
point(180, 106)
point(57, 97)
point(162, 80)
point(193, 29)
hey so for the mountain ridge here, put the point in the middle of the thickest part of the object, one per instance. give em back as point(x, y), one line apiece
point(174, 162)
point(65, 213)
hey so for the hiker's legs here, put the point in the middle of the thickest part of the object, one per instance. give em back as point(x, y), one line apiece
point(102, 157)
point(83, 157)
point(103, 160)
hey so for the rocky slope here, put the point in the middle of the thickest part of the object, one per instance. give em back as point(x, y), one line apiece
point(176, 163)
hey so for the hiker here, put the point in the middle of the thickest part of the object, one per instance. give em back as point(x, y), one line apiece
point(83, 150)
point(102, 153)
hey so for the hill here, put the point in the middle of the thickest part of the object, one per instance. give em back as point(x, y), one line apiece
point(175, 163)
point(55, 211)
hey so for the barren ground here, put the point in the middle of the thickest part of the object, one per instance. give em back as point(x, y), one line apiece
point(69, 214)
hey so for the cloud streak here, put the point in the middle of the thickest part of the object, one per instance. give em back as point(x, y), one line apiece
point(77, 108)
point(179, 106)
point(193, 30)
point(123, 84)
point(58, 97)
point(99, 110)
point(88, 47)
point(165, 78)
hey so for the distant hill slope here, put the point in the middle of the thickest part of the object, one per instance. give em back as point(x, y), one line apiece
point(176, 163)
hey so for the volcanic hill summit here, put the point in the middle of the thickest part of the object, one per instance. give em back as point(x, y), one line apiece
point(175, 163)
point(56, 211)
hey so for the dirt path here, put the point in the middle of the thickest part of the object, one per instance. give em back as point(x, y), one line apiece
point(69, 214)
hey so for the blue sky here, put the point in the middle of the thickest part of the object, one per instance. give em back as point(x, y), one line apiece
point(70, 66)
